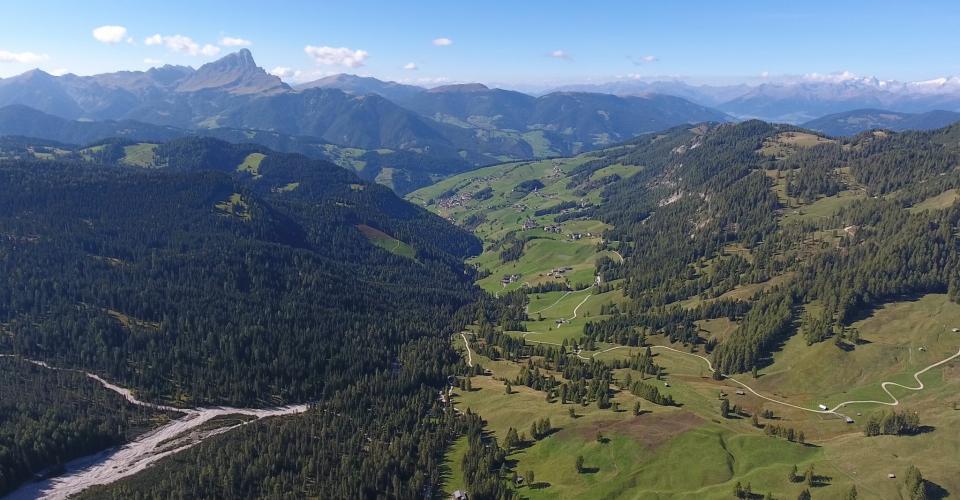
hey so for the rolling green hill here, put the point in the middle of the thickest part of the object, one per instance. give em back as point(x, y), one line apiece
point(747, 246)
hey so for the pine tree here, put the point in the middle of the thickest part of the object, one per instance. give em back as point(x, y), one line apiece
point(851, 493)
point(915, 484)
point(738, 490)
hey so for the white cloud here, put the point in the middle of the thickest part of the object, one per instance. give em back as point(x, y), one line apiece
point(182, 44)
point(210, 50)
point(427, 81)
point(111, 34)
point(229, 41)
point(152, 62)
point(561, 54)
point(340, 56)
point(58, 71)
point(442, 42)
point(836, 77)
point(638, 61)
point(22, 57)
point(286, 73)
point(410, 66)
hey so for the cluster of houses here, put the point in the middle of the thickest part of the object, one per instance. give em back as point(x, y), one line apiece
point(457, 200)
point(553, 228)
point(559, 272)
point(509, 278)
point(557, 172)
point(530, 224)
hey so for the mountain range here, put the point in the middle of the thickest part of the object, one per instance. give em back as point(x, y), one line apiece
point(860, 120)
point(460, 125)
point(407, 136)
point(800, 100)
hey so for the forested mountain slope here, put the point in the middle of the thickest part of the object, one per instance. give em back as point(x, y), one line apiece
point(716, 207)
point(236, 275)
point(400, 169)
point(211, 279)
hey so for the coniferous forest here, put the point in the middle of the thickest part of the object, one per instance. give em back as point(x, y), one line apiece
point(208, 279)
point(195, 284)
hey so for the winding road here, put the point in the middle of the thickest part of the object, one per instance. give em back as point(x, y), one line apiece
point(131, 458)
point(832, 411)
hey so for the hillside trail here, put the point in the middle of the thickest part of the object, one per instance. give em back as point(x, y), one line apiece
point(111, 465)
point(831, 411)
point(469, 354)
point(885, 385)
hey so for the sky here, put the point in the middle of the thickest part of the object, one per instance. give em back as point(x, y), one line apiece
point(518, 43)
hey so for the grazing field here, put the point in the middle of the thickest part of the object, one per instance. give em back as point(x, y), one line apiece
point(494, 203)
point(387, 242)
point(251, 164)
point(235, 206)
point(938, 202)
point(638, 456)
point(890, 349)
point(823, 208)
point(140, 155)
point(787, 142)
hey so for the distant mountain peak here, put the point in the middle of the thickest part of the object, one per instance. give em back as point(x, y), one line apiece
point(360, 85)
point(463, 87)
point(236, 73)
point(242, 58)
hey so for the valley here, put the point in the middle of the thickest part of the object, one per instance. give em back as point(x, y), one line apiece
point(193, 426)
point(479, 251)
point(903, 354)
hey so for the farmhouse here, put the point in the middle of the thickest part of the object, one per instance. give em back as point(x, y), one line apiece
point(509, 278)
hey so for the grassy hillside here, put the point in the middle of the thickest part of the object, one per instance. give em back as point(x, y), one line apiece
point(710, 242)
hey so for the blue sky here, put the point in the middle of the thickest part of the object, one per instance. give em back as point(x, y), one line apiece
point(516, 42)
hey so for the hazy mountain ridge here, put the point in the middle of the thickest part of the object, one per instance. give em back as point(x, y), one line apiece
point(860, 120)
point(798, 101)
point(457, 125)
